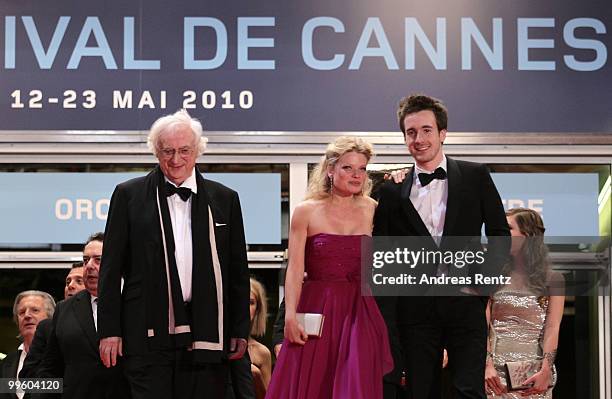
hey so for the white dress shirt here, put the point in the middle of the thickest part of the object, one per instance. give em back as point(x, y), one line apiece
point(180, 216)
point(94, 310)
point(22, 357)
point(430, 201)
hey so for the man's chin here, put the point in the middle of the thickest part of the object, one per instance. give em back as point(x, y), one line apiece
point(177, 179)
point(29, 330)
point(422, 157)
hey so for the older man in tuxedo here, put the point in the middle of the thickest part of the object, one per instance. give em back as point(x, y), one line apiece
point(440, 197)
point(177, 240)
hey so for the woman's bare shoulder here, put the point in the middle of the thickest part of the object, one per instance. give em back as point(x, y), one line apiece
point(370, 202)
point(259, 351)
point(304, 209)
point(555, 276)
point(367, 203)
point(309, 205)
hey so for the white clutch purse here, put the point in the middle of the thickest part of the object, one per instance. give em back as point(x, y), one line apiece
point(312, 323)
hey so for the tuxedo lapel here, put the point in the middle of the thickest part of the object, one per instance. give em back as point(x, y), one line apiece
point(14, 364)
point(150, 211)
point(408, 206)
point(201, 232)
point(453, 200)
point(84, 315)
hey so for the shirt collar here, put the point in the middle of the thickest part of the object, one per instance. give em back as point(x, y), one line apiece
point(442, 165)
point(21, 347)
point(417, 169)
point(190, 183)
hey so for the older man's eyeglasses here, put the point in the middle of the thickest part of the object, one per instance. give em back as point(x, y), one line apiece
point(184, 152)
point(96, 259)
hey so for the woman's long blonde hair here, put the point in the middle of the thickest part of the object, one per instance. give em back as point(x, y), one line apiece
point(319, 184)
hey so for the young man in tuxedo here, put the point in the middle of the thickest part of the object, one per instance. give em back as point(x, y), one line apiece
point(177, 240)
point(440, 197)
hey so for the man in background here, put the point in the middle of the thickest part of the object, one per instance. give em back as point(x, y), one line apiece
point(72, 349)
point(73, 285)
point(74, 280)
point(29, 309)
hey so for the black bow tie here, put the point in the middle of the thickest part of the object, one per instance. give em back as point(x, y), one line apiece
point(183, 192)
point(426, 178)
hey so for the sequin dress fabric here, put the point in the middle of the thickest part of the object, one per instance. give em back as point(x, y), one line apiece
point(350, 358)
point(518, 321)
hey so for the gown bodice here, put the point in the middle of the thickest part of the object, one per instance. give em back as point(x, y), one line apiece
point(518, 319)
point(333, 257)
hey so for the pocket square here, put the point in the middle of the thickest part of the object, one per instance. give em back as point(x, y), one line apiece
point(220, 224)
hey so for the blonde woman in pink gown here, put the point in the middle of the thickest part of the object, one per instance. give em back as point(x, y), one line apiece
point(352, 354)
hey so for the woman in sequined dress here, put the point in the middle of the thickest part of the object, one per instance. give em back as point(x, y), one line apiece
point(352, 354)
point(524, 317)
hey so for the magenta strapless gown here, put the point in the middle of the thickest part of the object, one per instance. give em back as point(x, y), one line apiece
point(353, 354)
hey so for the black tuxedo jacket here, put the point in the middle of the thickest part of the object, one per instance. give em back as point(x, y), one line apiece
point(8, 365)
point(472, 201)
point(37, 349)
point(133, 249)
point(72, 353)
point(8, 369)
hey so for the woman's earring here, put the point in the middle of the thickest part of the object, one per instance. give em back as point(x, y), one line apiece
point(331, 184)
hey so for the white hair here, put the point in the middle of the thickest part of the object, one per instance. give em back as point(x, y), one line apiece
point(170, 123)
point(49, 302)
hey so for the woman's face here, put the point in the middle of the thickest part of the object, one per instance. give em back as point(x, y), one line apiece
point(252, 305)
point(514, 229)
point(349, 174)
point(515, 232)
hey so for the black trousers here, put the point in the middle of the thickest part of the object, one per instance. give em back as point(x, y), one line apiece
point(241, 379)
point(393, 391)
point(173, 375)
point(457, 324)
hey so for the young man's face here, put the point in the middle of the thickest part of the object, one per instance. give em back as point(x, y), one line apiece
point(423, 139)
point(74, 282)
